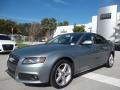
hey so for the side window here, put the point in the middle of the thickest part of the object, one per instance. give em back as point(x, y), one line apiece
point(99, 40)
point(75, 38)
point(87, 37)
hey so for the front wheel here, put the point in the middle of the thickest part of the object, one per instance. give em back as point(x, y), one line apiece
point(110, 61)
point(61, 74)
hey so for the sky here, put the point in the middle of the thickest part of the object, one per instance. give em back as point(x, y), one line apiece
point(73, 11)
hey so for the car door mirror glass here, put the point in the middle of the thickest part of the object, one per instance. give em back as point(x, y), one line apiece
point(72, 43)
point(87, 42)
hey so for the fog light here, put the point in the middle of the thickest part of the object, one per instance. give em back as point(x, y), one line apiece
point(24, 76)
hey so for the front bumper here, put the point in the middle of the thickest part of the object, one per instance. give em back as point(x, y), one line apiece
point(34, 73)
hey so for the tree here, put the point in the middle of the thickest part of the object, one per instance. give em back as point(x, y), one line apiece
point(7, 25)
point(64, 23)
point(79, 28)
point(35, 32)
point(24, 28)
point(48, 25)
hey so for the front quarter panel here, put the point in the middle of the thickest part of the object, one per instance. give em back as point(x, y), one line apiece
point(70, 53)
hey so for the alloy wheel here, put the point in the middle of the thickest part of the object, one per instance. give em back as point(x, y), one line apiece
point(111, 60)
point(63, 74)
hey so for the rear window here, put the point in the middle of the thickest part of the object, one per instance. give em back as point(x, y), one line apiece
point(3, 37)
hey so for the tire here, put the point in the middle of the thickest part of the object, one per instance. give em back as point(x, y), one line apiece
point(110, 61)
point(62, 74)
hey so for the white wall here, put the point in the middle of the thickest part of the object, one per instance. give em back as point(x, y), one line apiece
point(106, 27)
point(88, 27)
point(63, 29)
point(94, 24)
point(69, 29)
point(118, 16)
point(117, 28)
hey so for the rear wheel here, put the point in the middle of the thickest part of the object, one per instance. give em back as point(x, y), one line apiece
point(61, 74)
point(110, 61)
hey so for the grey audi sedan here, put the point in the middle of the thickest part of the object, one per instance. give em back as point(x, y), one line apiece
point(60, 59)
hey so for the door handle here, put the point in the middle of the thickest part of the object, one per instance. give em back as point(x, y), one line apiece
point(97, 57)
point(104, 47)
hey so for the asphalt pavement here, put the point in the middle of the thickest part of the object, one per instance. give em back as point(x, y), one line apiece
point(101, 78)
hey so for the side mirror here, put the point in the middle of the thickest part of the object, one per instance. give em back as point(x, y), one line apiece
point(72, 43)
point(87, 42)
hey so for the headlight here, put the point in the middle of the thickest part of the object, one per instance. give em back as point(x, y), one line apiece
point(34, 60)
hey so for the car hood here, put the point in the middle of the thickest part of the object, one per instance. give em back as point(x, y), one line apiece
point(6, 42)
point(37, 50)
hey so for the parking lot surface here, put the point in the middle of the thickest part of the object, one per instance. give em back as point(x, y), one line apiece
point(101, 78)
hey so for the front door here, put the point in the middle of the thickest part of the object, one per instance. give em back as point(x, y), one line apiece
point(87, 53)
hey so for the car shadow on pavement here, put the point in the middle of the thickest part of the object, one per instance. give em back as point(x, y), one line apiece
point(117, 49)
point(38, 85)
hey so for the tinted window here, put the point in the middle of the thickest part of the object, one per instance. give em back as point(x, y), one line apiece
point(75, 38)
point(65, 39)
point(87, 37)
point(3, 37)
point(99, 40)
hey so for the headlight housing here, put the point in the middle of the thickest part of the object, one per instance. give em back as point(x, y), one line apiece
point(34, 60)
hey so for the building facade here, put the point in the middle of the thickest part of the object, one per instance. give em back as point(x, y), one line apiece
point(106, 23)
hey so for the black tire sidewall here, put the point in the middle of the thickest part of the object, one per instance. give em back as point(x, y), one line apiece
point(52, 77)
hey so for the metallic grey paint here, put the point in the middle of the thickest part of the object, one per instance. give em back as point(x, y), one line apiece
point(84, 57)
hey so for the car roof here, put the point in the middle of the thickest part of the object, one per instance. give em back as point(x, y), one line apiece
point(80, 33)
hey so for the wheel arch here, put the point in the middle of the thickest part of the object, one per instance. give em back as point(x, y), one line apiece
point(66, 58)
point(113, 53)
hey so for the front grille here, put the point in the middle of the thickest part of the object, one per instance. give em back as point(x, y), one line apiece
point(7, 47)
point(15, 59)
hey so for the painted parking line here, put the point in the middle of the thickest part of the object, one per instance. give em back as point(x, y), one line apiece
point(103, 79)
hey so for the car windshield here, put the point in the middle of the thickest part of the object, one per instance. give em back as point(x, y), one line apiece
point(66, 39)
point(3, 37)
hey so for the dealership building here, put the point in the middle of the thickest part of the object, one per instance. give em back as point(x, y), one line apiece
point(106, 23)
